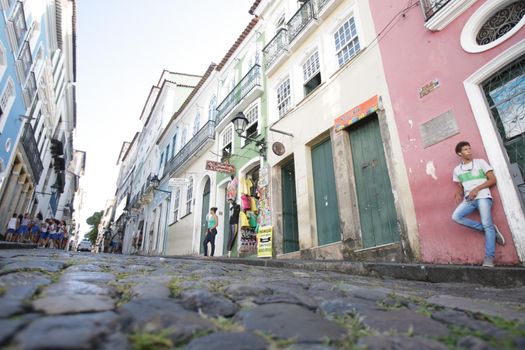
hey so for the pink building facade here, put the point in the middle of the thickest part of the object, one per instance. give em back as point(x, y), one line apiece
point(456, 71)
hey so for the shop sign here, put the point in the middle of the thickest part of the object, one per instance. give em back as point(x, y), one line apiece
point(178, 181)
point(357, 113)
point(220, 167)
point(264, 242)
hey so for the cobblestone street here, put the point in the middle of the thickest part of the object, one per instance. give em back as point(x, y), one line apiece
point(60, 300)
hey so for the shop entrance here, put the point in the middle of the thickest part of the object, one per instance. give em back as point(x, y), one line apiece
point(290, 226)
point(326, 207)
point(374, 191)
point(204, 214)
point(249, 180)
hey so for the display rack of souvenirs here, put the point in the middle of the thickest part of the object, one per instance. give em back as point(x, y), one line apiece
point(248, 216)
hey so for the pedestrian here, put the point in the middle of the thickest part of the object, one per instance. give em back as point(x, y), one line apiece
point(53, 235)
point(24, 227)
point(12, 226)
point(474, 178)
point(213, 222)
point(35, 229)
point(235, 210)
point(44, 233)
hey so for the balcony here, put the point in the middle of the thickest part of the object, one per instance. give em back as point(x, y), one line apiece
point(245, 92)
point(300, 20)
point(204, 136)
point(431, 7)
point(32, 153)
point(18, 20)
point(275, 48)
point(25, 61)
point(30, 90)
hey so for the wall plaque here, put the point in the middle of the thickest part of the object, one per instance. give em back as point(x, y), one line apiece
point(438, 129)
point(428, 88)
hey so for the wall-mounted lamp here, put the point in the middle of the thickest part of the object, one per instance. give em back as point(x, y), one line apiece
point(240, 122)
point(154, 182)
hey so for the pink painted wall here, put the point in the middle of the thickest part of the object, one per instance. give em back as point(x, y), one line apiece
point(412, 57)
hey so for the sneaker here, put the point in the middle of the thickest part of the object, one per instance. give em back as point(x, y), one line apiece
point(499, 237)
point(488, 261)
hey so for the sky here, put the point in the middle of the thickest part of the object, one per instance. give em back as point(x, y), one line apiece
point(122, 48)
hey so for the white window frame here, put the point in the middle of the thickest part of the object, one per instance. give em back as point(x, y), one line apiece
point(228, 129)
point(253, 106)
point(176, 205)
point(289, 98)
point(474, 23)
point(351, 16)
point(6, 102)
point(197, 123)
point(3, 60)
point(189, 196)
point(212, 108)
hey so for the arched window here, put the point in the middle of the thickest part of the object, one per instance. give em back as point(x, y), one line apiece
point(183, 137)
point(212, 110)
point(197, 123)
point(501, 22)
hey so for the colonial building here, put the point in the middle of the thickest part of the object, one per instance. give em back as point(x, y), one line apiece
point(455, 71)
point(38, 108)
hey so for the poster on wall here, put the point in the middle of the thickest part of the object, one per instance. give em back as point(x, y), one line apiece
point(357, 113)
point(264, 242)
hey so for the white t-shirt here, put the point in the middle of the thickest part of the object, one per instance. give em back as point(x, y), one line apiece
point(472, 175)
point(12, 223)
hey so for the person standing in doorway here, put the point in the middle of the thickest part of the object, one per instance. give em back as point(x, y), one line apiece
point(474, 178)
point(12, 227)
point(213, 222)
point(235, 210)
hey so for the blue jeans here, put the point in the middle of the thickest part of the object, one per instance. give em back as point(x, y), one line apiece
point(484, 206)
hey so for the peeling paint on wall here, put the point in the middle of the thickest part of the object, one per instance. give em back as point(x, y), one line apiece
point(431, 170)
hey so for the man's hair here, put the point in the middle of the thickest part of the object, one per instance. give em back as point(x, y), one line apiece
point(460, 146)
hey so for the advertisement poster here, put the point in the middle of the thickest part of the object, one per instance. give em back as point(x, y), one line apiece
point(264, 242)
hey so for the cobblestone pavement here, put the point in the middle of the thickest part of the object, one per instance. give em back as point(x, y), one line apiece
point(60, 300)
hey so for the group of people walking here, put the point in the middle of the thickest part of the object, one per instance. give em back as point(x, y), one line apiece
point(50, 232)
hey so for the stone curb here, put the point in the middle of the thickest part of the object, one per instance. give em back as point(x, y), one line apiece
point(495, 277)
point(14, 245)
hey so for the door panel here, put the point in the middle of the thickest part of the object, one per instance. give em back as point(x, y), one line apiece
point(374, 192)
point(290, 226)
point(205, 210)
point(326, 207)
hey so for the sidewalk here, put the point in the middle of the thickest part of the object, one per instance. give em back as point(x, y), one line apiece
point(15, 245)
point(495, 276)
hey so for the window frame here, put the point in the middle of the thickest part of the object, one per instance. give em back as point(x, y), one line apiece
point(189, 197)
point(9, 102)
point(285, 80)
point(176, 205)
point(351, 16)
point(253, 106)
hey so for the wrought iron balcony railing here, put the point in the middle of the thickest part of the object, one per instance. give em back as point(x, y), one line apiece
point(300, 20)
point(319, 4)
point(275, 47)
point(30, 90)
point(26, 59)
point(19, 22)
point(205, 134)
point(247, 84)
point(431, 7)
point(31, 149)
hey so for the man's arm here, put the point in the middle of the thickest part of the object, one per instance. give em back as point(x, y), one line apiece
point(459, 193)
point(491, 181)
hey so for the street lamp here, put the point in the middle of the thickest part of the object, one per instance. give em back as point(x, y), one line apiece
point(240, 122)
point(155, 183)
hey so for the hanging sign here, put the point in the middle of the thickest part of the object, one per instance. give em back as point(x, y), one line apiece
point(178, 181)
point(220, 167)
point(264, 242)
point(357, 113)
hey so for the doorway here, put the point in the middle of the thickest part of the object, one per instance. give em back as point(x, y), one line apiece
point(204, 214)
point(326, 207)
point(289, 198)
point(374, 192)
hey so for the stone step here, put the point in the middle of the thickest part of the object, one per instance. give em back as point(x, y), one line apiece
point(15, 245)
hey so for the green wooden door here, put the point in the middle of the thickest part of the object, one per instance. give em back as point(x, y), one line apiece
point(226, 224)
point(290, 227)
point(205, 210)
point(326, 208)
point(374, 192)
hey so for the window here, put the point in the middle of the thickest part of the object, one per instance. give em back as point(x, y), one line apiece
point(183, 137)
point(161, 161)
point(346, 42)
point(501, 22)
point(6, 100)
point(19, 22)
point(174, 144)
point(176, 202)
point(167, 155)
point(212, 112)
point(253, 121)
point(3, 60)
point(311, 73)
point(283, 97)
point(227, 144)
point(189, 197)
point(197, 124)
